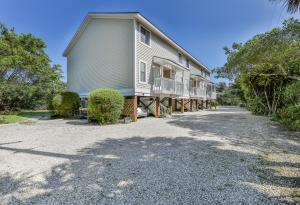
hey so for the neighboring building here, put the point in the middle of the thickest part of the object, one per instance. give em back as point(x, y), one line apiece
point(127, 52)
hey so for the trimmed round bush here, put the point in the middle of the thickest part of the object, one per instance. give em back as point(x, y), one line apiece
point(66, 104)
point(105, 105)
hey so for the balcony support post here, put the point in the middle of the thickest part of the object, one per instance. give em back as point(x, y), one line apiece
point(182, 105)
point(170, 105)
point(191, 105)
point(157, 107)
point(130, 107)
point(197, 105)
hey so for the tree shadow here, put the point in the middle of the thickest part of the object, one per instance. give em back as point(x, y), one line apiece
point(138, 170)
point(256, 134)
point(241, 129)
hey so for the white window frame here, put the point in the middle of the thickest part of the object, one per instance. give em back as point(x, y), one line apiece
point(187, 62)
point(150, 40)
point(179, 53)
point(140, 62)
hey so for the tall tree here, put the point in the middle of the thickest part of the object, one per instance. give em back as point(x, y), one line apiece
point(265, 65)
point(27, 79)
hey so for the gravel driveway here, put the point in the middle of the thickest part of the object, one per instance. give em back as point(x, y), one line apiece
point(226, 156)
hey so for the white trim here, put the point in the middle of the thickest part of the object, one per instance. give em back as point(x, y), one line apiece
point(140, 36)
point(124, 91)
point(134, 54)
point(187, 62)
point(141, 82)
point(181, 63)
point(146, 93)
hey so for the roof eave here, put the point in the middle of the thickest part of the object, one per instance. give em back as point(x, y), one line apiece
point(127, 15)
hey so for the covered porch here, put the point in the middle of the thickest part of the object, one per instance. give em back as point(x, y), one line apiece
point(169, 79)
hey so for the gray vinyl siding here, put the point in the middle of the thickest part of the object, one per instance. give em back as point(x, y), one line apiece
point(158, 48)
point(103, 57)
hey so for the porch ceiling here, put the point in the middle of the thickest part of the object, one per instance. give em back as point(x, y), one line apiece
point(196, 76)
point(165, 61)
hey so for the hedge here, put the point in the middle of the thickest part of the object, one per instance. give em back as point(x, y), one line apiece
point(105, 105)
point(66, 104)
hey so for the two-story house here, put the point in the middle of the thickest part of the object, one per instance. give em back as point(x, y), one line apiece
point(127, 52)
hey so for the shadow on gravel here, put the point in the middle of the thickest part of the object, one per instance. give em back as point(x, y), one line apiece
point(139, 170)
point(241, 128)
point(245, 131)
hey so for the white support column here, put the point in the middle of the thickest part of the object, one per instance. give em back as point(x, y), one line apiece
point(161, 71)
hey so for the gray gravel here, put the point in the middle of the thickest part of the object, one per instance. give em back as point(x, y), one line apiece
point(226, 156)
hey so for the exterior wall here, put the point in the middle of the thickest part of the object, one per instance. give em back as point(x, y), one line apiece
point(103, 57)
point(146, 53)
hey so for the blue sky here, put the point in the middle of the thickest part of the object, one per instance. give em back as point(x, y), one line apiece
point(203, 27)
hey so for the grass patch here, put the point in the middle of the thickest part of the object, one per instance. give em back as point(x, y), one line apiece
point(4, 119)
point(36, 114)
point(24, 116)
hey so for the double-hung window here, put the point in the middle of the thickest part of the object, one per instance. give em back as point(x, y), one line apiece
point(187, 63)
point(143, 68)
point(145, 36)
point(180, 58)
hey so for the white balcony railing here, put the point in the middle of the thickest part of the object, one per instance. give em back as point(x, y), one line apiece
point(167, 86)
point(211, 95)
point(197, 92)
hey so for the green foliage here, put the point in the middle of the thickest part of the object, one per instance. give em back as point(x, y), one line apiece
point(291, 93)
point(292, 5)
point(27, 79)
point(290, 117)
point(267, 68)
point(212, 104)
point(165, 111)
point(230, 95)
point(105, 105)
point(36, 114)
point(11, 119)
point(66, 104)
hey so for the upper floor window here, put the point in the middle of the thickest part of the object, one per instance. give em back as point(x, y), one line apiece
point(143, 72)
point(187, 63)
point(180, 57)
point(145, 36)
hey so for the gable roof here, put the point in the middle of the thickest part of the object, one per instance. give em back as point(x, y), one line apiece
point(129, 15)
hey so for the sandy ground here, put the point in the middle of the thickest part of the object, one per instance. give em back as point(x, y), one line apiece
point(226, 156)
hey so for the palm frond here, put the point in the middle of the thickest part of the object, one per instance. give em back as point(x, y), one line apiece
point(292, 5)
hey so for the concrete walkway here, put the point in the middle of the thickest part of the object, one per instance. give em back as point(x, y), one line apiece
point(226, 156)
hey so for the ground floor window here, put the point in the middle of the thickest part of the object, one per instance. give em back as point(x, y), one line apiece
point(143, 68)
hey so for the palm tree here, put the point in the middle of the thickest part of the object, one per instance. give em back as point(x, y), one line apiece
point(292, 5)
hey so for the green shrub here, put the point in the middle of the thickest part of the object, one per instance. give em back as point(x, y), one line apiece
point(213, 103)
point(2, 119)
point(105, 105)
point(242, 105)
point(66, 104)
point(290, 117)
point(255, 107)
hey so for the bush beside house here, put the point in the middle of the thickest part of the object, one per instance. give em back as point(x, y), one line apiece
point(105, 105)
point(66, 104)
